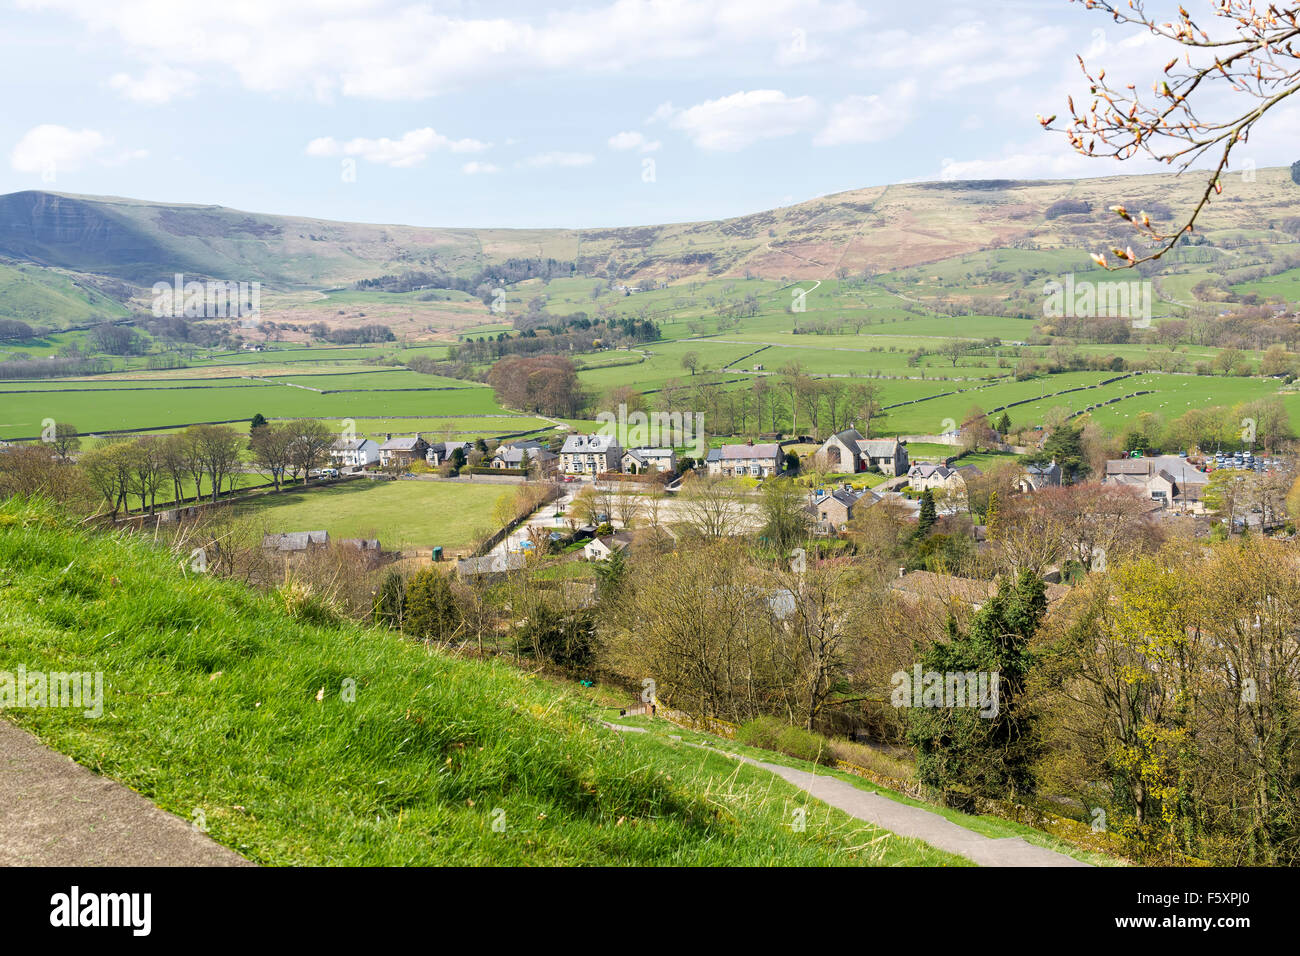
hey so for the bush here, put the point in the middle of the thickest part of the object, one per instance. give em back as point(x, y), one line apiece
point(772, 733)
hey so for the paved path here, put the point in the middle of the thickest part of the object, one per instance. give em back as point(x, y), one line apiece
point(54, 812)
point(915, 822)
point(904, 820)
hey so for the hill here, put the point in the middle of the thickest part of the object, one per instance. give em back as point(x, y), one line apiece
point(305, 739)
point(873, 230)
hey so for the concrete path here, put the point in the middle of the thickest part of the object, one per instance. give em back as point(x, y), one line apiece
point(904, 820)
point(915, 822)
point(54, 812)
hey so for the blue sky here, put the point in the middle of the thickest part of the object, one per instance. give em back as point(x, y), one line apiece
point(605, 112)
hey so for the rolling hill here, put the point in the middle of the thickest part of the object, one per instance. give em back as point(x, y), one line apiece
point(876, 230)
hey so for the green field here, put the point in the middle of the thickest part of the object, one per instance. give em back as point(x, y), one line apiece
point(120, 409)
point(1285, 285)
point(401, 514)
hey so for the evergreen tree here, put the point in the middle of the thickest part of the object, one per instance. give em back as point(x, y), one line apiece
point(978, 749)
point(431, 612)
point(1065, 445)
point(1004, 425)
point(610, 574)
point(925, 521)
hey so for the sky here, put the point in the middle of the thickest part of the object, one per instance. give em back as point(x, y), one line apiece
point(518, 114)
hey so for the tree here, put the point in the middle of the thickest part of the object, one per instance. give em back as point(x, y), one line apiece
point(258, 421)
point(976, 433)
point(826, 611)
point(66, 440)
point(172, 461)
point(954, 349)
point(926, 518)
point(309, 448)
point(711, 505)
point(697, 626)
point(610, 574)
point(991, 517)
point(146, 470)
point(691, 361)
point(628, 508)
point(1254, 56)
point(867, 410)
point(273, 449)
point(108, 467)
point(786, 521)
point(217, 448)
point(1004, 425)
point(1064, 446)
point(430, 608)
point(1172, 683)
point(987, 748)
point(30, 470)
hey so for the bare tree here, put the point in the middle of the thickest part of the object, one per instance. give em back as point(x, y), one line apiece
point(712, 505)
point(1251, 52)
point(310, 447)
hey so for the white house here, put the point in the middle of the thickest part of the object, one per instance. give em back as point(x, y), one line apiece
point(354, 453)
point(934, 477)
point(590, 455)
point(601, 549)
point(637, 461)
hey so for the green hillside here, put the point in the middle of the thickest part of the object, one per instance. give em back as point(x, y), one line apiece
point(48, 297)
point(221, 700)
point(876, 230)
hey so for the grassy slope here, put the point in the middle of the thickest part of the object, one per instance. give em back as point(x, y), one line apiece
point(48, 297)
point(211, 703)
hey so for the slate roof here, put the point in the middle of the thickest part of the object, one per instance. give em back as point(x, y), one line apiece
point(588, 444)
point(295, 540)
point(744, 452)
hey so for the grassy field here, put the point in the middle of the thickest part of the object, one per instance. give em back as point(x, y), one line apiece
point(1286, 285)
point(401, 514)
point(218, 699)
point(119, 409)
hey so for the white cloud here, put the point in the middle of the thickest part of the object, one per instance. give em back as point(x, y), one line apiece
point(474, 168)
point(395, 49)
point(544, 160)
point(411, 149)
point(868, 119)
point(157, 85)
point(48, 148)
point(633, 139)
point(1049, 157)
point(733, 122)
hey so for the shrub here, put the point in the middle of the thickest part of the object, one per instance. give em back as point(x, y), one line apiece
point(772, 733)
